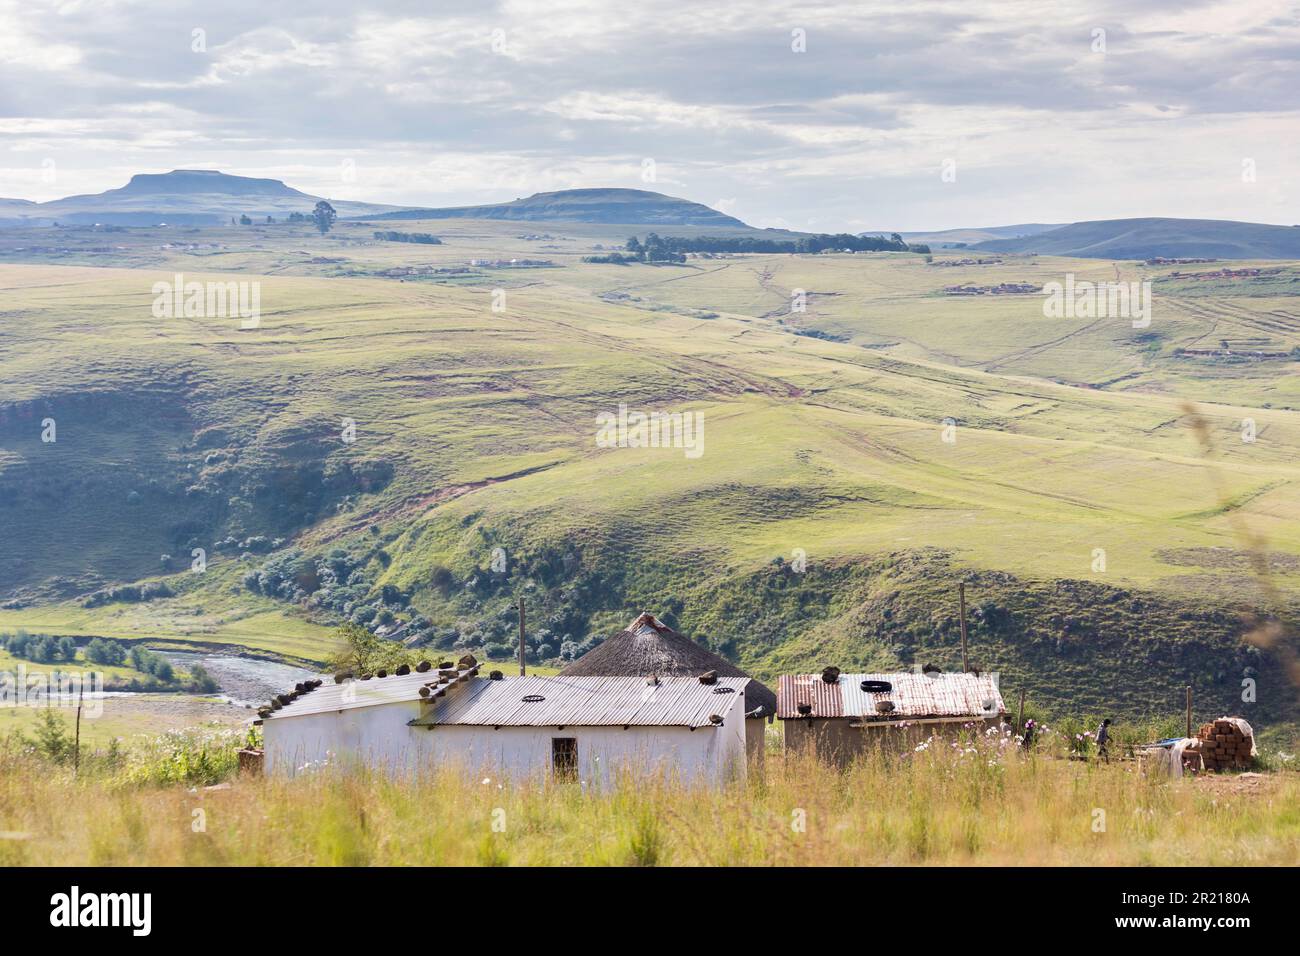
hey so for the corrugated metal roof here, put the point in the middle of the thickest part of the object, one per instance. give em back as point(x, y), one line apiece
point(914, 696)
point(649, 646)
point(364, 693)
point(585, 702)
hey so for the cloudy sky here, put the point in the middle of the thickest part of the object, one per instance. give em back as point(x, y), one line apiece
point(1040, 110)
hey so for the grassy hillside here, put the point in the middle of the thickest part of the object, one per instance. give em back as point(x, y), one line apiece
point(889, 440)
point(587, 206)
point(1149, 238)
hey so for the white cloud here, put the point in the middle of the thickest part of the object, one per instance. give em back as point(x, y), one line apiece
point(854, 130)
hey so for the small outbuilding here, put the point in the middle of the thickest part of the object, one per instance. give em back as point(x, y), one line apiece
point(649, 647)
point(581, 728)
point(843, 715)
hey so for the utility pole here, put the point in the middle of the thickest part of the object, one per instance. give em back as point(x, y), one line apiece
point(522, 671)
point(76, 752)
point(961, 594)
point(1189, 710)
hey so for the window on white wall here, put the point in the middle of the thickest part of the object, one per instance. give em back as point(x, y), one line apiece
point(564, 757)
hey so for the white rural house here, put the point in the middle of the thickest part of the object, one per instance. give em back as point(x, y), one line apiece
point(648, 646)
point(582, 728)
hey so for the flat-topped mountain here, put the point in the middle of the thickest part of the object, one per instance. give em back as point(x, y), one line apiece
point(179, 197)
point(191, 182)
point(622, 206)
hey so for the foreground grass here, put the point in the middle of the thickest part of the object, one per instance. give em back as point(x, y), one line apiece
point(946, 806)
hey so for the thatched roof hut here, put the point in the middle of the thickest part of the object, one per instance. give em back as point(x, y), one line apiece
point(647, 646)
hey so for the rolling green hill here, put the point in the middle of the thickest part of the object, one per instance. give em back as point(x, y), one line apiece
point(416, 449)
point(1151, 238)
point(630, 206)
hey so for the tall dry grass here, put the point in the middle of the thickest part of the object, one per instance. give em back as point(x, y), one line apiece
point(966, 805)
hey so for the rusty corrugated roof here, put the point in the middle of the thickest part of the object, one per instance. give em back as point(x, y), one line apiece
point(585, 702)
point(914, 696)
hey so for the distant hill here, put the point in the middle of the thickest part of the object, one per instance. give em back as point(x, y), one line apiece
point(180, 197)
point(196, 182)
point(621, 206)
point(19, 212)
point(1148, 238)
point(947, 237)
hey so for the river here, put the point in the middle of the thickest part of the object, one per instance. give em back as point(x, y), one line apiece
point(243, 680)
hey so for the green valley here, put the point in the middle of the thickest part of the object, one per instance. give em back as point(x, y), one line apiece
point(408, 440)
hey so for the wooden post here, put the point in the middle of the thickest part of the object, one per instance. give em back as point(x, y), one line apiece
point(961, 595)
point(522, 670)
point(1189, 710)
point(76, 752)
point(1020, 714)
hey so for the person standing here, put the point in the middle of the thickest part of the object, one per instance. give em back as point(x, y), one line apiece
point(1103, 740)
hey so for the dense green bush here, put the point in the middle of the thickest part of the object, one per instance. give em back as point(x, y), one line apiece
point(109, 653)
point(422, 238)
point(153, 664)
point(39, 648)
point(131, 593)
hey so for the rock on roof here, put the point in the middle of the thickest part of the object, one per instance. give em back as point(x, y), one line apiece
point(373, 690)
point(647, 646)
point(914, 696)
point(585, 702)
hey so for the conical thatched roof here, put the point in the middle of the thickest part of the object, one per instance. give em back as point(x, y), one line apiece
point(648, 646)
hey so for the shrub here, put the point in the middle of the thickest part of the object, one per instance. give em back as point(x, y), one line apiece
point(192, 757)
point(153, 664)
point(51, 738)
point(130, 593)
point(202, 681)
point(100, 651)
point(422, 238)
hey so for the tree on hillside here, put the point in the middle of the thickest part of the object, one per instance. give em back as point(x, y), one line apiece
point(365, 653)
point(324, 215)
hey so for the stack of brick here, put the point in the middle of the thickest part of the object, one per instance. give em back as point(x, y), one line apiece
point(1225, 746)
point(251, 760)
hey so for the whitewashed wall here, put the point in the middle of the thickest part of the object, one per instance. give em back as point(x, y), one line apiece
point(378, 736)
point(374, 736)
